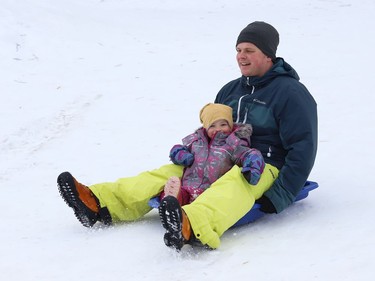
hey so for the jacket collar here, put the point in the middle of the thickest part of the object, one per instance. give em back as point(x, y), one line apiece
point(279, 68)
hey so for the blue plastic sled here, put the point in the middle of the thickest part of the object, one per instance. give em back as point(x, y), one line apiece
point(255, 212)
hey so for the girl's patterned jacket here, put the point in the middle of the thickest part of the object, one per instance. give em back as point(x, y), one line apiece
point(207, 160)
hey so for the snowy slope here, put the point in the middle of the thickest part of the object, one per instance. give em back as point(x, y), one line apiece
point(78, 77)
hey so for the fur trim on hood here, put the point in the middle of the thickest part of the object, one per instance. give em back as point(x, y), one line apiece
point(243, 131)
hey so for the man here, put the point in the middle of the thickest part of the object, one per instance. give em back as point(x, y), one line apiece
point(281, 110)
point(284, 119)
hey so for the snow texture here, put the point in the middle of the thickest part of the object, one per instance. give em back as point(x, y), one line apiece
point(80, 79)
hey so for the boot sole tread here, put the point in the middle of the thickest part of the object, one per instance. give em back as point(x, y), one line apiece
point(69, 193)
point(170, 214)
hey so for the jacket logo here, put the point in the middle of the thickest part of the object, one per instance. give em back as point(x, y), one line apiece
point(259, 101)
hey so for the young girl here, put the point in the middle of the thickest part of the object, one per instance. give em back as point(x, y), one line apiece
point(210, 152)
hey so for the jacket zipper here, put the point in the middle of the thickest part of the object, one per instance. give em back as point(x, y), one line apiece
point(239, 104)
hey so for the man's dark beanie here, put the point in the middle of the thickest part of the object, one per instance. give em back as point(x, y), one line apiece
point(262, 35)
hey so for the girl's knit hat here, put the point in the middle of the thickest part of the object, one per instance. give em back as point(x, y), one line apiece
point(212, 112)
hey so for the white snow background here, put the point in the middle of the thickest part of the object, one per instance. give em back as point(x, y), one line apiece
point(103, 89)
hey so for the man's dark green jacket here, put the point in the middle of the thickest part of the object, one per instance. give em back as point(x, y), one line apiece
point(284, 118)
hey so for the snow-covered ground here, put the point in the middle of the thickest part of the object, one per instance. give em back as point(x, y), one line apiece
point(80, 78)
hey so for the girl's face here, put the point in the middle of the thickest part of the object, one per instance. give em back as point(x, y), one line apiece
point(218, 126)
point(251, 60)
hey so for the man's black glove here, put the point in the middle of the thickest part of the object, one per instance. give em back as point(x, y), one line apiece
point(266, 205)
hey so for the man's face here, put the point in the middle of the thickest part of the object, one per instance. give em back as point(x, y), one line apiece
point(251, 60)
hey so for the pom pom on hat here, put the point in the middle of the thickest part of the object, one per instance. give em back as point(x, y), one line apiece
point(213, 112)
point(262, 35)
